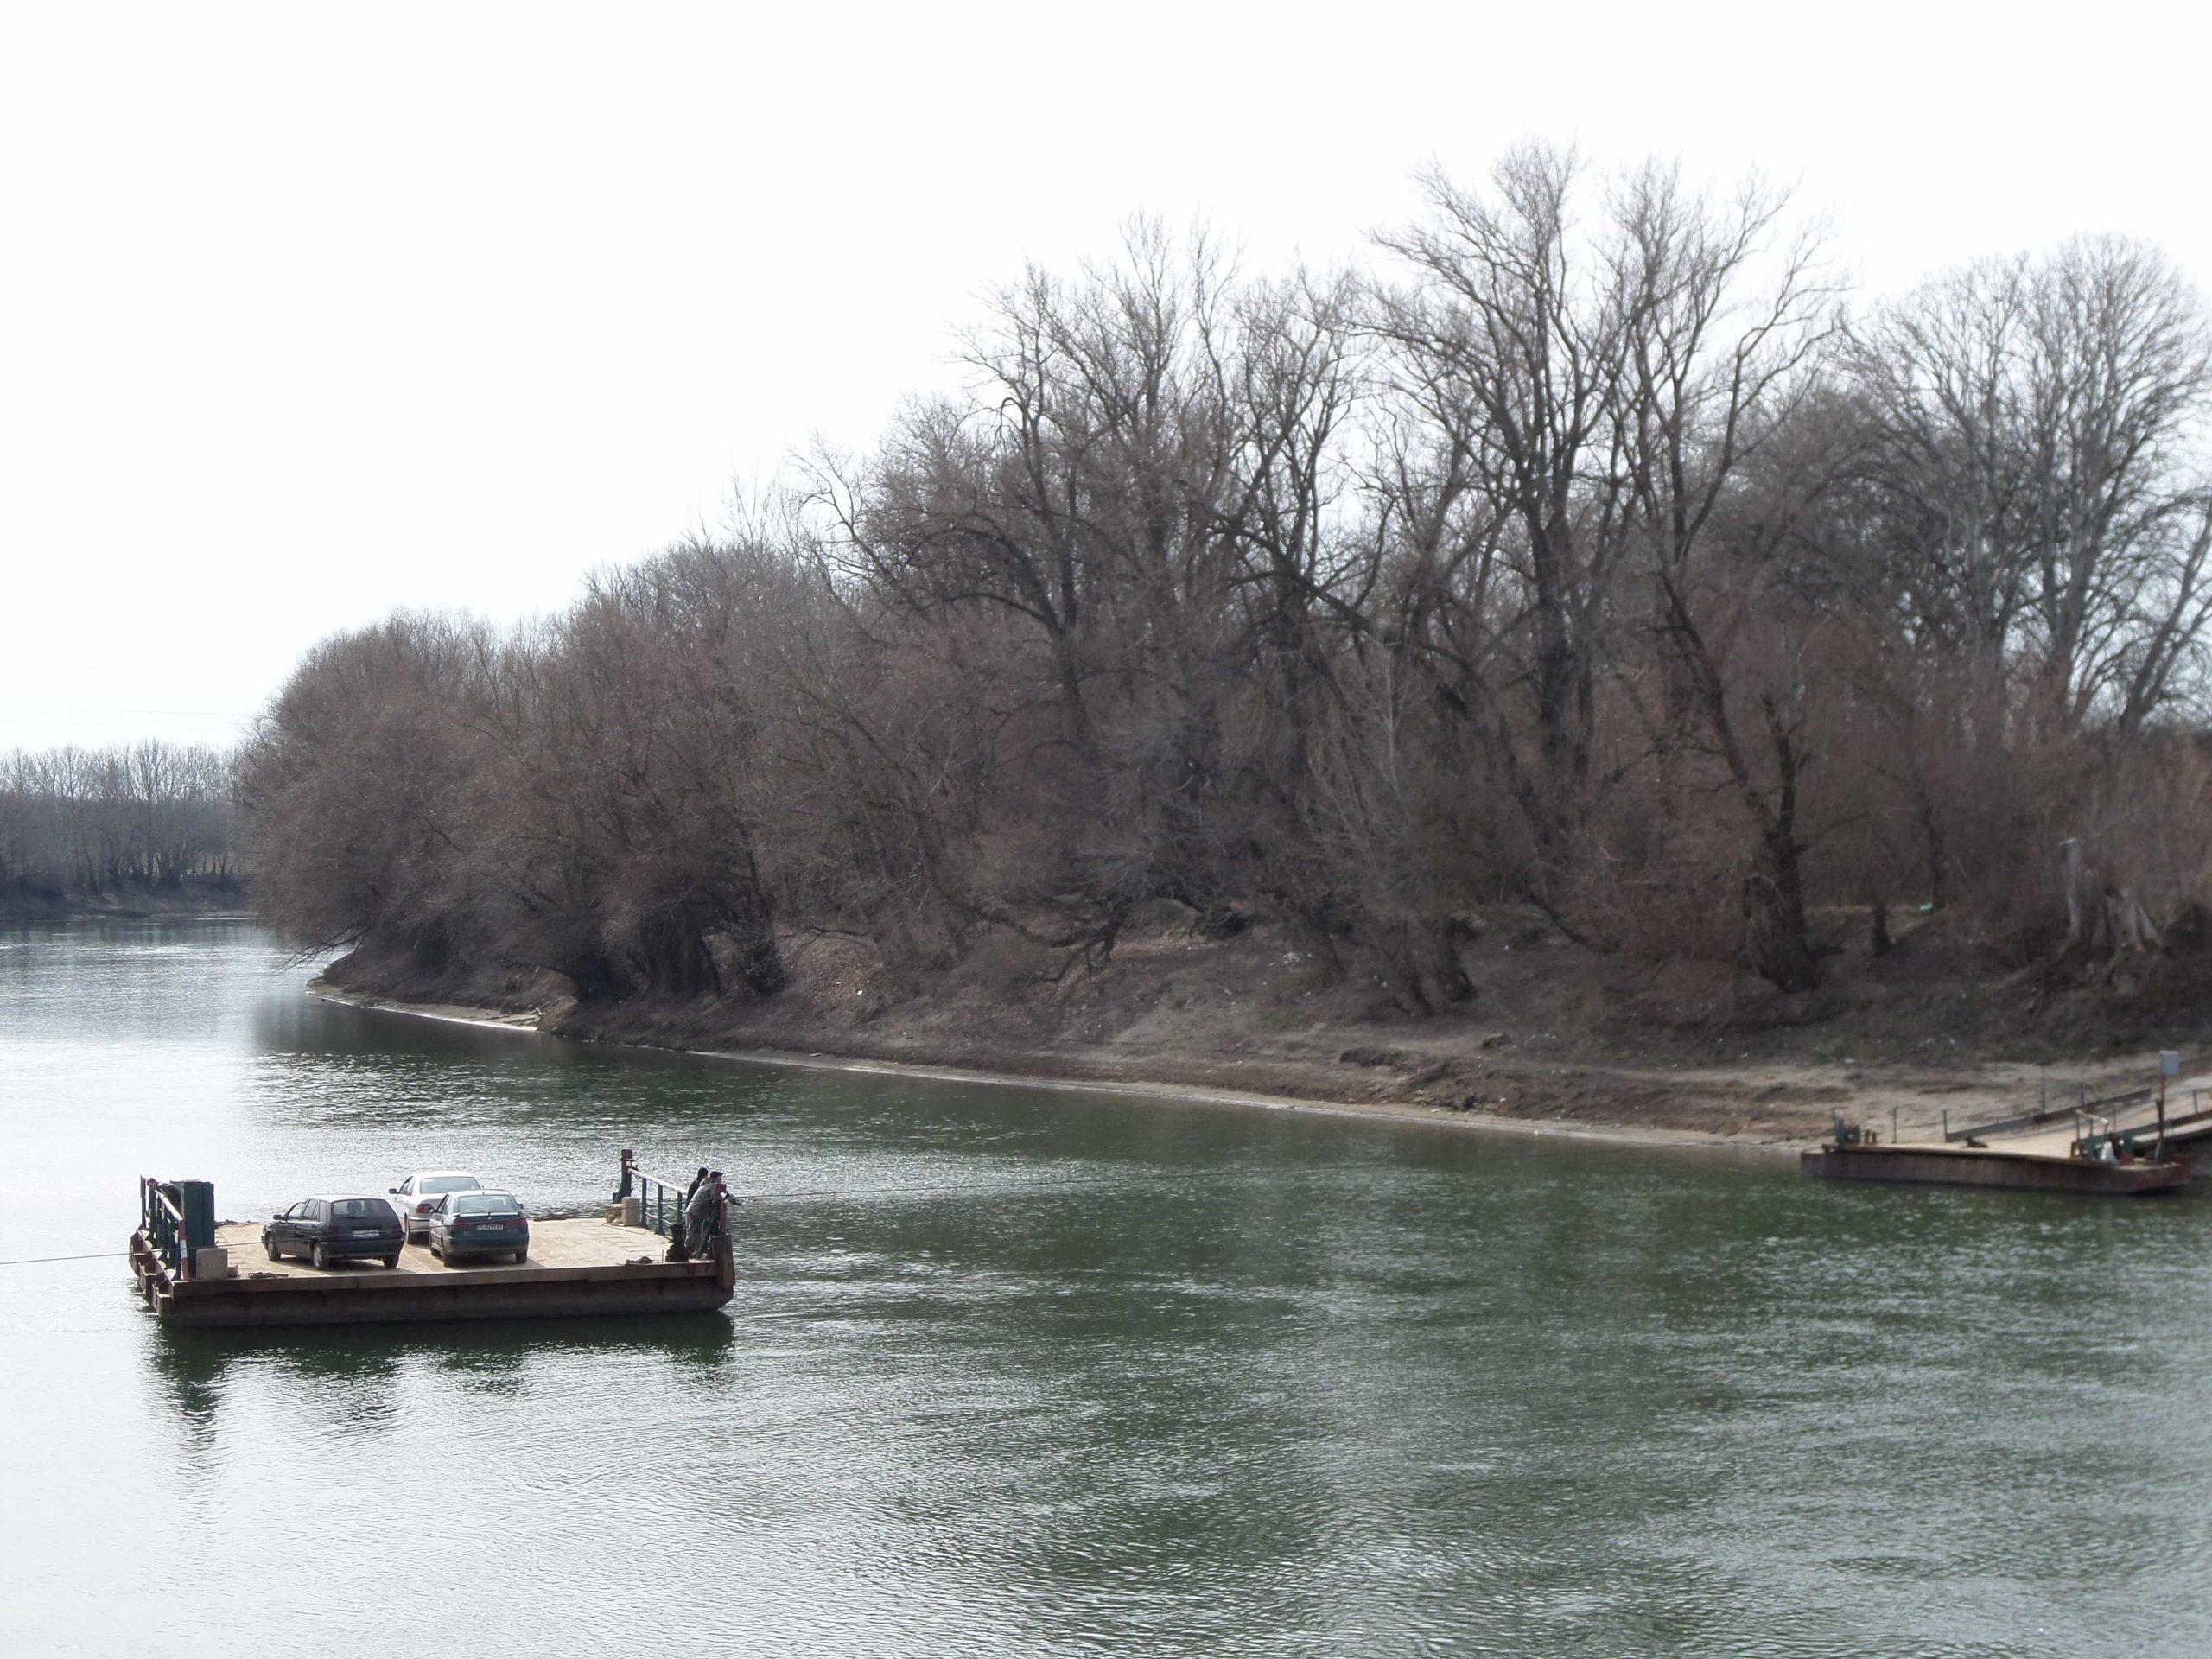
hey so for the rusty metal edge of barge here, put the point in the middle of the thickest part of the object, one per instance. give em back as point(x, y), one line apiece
point(1909, 1165)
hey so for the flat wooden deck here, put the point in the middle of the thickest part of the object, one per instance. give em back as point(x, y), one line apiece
point(584, 1242)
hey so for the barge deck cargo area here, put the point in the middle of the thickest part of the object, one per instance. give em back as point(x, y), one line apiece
point(195, 1271)
point(588, 1243)
point(587, 1266)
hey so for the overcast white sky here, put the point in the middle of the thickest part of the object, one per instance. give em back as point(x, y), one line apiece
point(311, 312)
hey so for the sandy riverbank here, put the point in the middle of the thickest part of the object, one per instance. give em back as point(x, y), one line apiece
point(1557, 1040)
point(1146, 1087)
point(1156, 1089)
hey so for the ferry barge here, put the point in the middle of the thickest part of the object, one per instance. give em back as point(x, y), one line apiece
point(196, 1271)
point(2121, 1145)
point(1922, 1164)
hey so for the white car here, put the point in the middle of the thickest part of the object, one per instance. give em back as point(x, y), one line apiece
point(416, 1196)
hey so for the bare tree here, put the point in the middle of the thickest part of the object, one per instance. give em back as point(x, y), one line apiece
point(1591, 563)
point(1509, 349)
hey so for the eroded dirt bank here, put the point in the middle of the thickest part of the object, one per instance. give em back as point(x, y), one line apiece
point(1555, 1037)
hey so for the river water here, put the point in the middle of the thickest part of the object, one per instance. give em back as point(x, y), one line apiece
point(1018, 1371)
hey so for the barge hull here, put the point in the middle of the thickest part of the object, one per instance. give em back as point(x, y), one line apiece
point(289, 1295)
point(1910, 1165)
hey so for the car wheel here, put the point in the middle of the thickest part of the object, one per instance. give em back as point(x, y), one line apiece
point(521, 1256)
point(392, 1261)
point(432, 1246)
point(321, 1255)
point(268, 1248)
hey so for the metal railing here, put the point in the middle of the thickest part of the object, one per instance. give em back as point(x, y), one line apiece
point(661, 1202)
point(2027, 1122)
point(161, 1220)
point(2093, 1135)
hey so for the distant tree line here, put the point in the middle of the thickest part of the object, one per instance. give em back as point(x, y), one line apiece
point(93, 821)
point(1597, 556)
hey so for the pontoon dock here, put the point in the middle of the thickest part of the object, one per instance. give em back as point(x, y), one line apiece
point(193, 1271)
point(1932, 1164)
point(2120, 1145)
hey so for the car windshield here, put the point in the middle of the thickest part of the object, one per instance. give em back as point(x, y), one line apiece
point(360, 1209)
point(490, 1203)
point(448, 1184)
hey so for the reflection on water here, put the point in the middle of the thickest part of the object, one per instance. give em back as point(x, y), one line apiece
point(1021, 1372)
point(193, 1366)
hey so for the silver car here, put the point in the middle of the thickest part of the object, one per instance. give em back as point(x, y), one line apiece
point(416, 1196)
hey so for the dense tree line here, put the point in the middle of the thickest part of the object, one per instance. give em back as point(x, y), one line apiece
point(90, 821)
point(1598, 554)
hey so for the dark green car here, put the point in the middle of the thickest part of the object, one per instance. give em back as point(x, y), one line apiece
point(478, 1224)
point(335, 1230)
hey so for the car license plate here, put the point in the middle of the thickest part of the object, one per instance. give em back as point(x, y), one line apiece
point(364, 1232)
